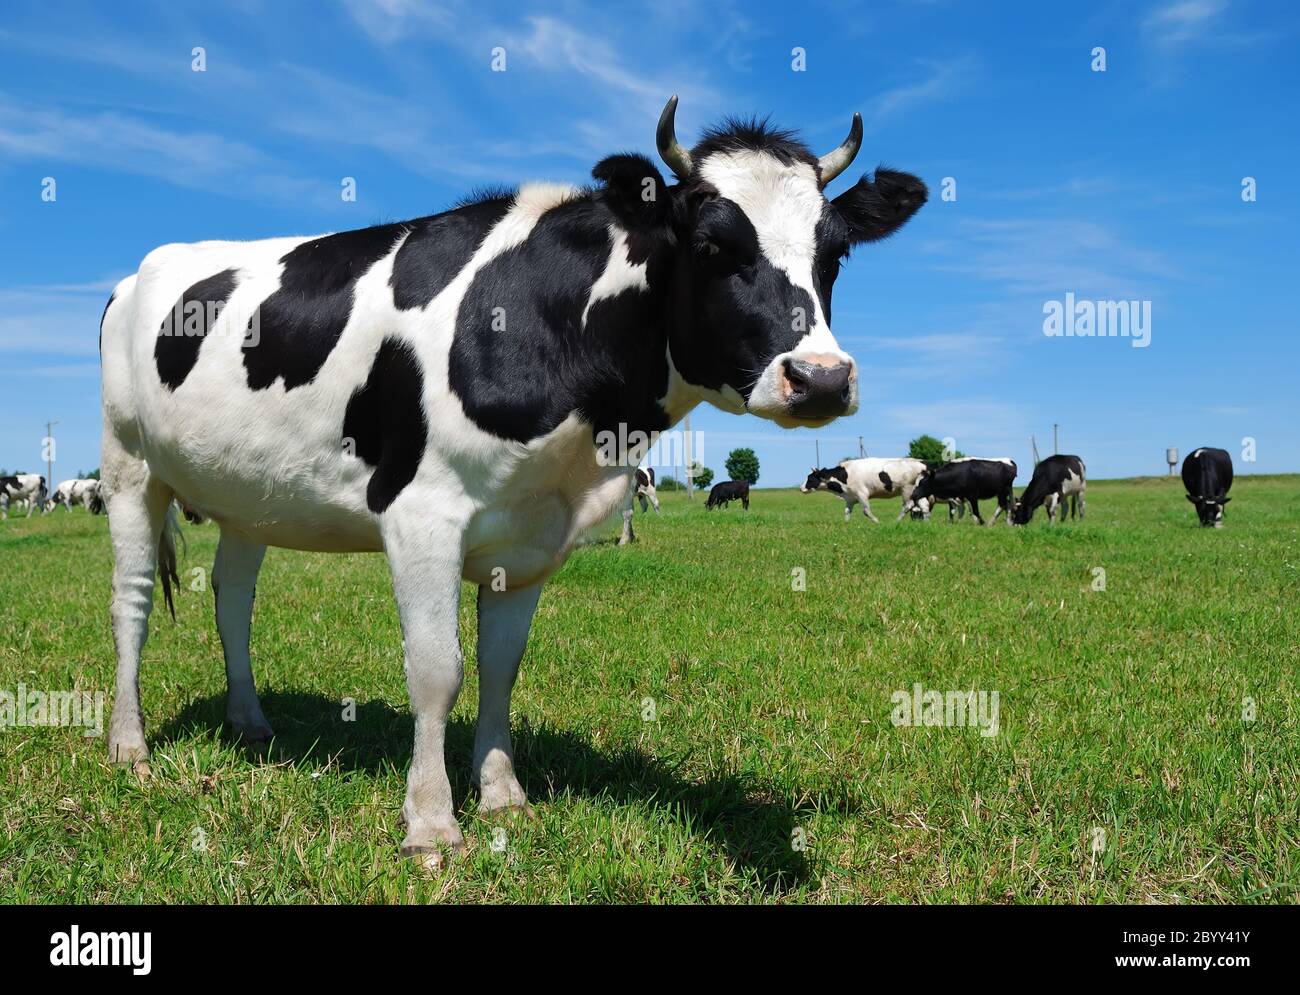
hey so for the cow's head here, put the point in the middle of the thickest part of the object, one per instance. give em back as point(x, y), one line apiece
point(920, 502)
point(753, 250)
point(828, 478)
point(1209, 509)
point(1020, 513)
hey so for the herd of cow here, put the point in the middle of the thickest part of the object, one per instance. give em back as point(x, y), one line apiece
point(1059, 484)
point(29, 490)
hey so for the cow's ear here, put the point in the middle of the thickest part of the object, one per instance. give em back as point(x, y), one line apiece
point(634, 190)
point(1192, 499)
point(1224, 500)
point(875, 209)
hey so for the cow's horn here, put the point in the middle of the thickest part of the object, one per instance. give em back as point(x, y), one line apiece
point(671, 150)
point(834, 163)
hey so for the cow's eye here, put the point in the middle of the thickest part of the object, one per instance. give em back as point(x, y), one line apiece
point(707, 249)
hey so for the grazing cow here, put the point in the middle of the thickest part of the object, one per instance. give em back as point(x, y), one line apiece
point(1055, 479)
point(74, 492)
point(645, 488)
point(726, 492)
point(859, 480)
point(970, 479)
point(29, 487)
point(1207, 475)
point(439, 390)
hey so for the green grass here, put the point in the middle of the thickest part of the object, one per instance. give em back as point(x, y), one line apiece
point(1121, 710)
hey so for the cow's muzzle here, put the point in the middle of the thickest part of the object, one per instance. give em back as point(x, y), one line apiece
point(817, 390)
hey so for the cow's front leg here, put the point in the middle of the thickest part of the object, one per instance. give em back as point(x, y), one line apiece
point(504, 618)
point(848, 509)
point(975, 510)
point(234, 582)
point(426, 561)
point(866, 510)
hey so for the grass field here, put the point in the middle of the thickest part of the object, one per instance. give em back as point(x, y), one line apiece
point(1123, 769)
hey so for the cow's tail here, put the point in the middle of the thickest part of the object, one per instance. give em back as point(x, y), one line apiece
point(167, 557)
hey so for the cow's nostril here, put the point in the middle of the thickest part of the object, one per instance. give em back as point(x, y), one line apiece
point(797, 375)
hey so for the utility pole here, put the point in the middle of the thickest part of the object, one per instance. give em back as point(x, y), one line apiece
point(49, 453)
point(862, 452)
point(1033, 444)
point(818, 444)
point(690, 479)
point(1056, 444)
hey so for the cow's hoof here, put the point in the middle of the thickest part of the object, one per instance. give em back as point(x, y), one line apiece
point(508, 810)
point(127, 750)
point(251, 734)
point(434, 855)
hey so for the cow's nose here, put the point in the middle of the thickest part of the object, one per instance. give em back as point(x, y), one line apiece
point(818, 390)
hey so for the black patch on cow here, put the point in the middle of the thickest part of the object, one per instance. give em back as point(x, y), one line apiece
point(300, 323)
point(439, 247)
point(840, 473)
point(385, 421)
point(111, 298)
point(885, 479)
point(182, 333)
point(522, 360)
point(834, 486)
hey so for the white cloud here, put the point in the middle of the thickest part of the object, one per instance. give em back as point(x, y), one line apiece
point(942, 80)
point(1183, 21)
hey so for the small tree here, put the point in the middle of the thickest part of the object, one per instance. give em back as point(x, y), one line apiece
point(742, 464)
point(930, 451)
point(667, 483)
point(701, 474)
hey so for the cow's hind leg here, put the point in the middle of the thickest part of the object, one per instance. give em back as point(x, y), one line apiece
point(234, 582)
point(504, 618)
point(426, 561)
point(137, 509)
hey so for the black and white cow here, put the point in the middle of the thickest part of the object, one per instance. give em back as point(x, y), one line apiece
point(1057, 480)
point(726, 492)
point(76, 492)
point(642, 487)
point(645, 488)
point(969, 479)
point(29, 487)
point(439, 389)
point(1207, 475)
point(857, 481)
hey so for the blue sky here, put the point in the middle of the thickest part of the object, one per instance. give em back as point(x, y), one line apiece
point(1123, 184)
